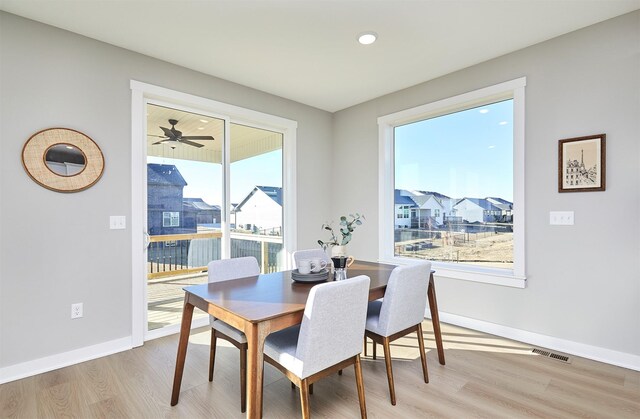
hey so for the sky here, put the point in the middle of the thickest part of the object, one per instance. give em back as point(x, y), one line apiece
point(204, 180)
point(464, 154)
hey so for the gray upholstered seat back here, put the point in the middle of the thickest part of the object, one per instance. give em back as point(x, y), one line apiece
point(405, 299)
point(225, 269)
point(333, 324)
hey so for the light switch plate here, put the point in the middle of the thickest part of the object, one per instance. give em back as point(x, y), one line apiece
point(117, 222)
point(561, 218)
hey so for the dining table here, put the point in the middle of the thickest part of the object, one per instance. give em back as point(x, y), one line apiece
point(262, 304)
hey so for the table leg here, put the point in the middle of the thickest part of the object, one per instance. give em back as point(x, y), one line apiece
point(185, 329)
point(435, 318)
point(256, 334)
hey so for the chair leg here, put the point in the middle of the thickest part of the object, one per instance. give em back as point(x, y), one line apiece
point(387, 362)
point(374, 348)
point(360, 385)
point(423, 355)
point(339, 372)
point(243, 380)
point(365, 345)
point(304, 399)
point(212, 354)
point(311, 388)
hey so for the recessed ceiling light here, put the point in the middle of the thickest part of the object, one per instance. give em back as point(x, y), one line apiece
point(204, 121)
point(200, 128)
point(367, 38)
point(485, 110)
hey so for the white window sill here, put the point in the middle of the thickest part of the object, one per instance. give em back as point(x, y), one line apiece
point(501, 277)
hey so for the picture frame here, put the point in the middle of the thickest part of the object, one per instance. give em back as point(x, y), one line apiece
point(582, 164)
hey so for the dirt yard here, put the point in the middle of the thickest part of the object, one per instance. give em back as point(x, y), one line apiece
point(487, 249)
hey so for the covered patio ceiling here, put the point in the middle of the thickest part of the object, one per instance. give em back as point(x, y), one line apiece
point(246, 141)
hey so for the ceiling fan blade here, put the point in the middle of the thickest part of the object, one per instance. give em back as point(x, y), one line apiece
point(168, 133)
point(162, 141)
point(159, 136)
point(198, 137)
point(191, 143)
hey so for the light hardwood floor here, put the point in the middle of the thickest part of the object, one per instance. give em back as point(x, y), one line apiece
point(485, 376)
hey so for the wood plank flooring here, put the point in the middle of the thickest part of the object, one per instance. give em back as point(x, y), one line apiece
point(485, 376)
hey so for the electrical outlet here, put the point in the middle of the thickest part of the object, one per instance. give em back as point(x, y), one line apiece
point(76, 310)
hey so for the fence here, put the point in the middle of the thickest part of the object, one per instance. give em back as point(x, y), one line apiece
point(177, 254)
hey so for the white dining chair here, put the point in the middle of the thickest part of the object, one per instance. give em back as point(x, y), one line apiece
point(224, 270)
point(328, 339)
point(310, 254)
point(399, 313)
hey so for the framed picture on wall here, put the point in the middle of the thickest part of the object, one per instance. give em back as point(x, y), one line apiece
point(582, 164)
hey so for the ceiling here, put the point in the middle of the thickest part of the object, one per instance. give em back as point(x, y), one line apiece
point(307, 51)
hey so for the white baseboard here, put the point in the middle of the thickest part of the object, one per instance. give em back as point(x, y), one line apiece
point(596, 353)
point(53, 362)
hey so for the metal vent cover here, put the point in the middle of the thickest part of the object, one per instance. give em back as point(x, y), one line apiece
point(547, 354)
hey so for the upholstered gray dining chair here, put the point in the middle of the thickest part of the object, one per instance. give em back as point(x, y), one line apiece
point(328, 339)
point(399, 313)
point(310, 254)
point(224, 270)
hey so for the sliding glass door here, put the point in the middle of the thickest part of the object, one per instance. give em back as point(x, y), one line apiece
point(192, 159)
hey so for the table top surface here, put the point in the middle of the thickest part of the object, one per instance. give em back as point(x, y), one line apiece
point(265, 296)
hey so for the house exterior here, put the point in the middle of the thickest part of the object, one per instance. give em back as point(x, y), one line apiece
point(165, 212)
point(197, 212)
point(506, 208)
point(482, 210)
point(260, 210)
point(404, 206)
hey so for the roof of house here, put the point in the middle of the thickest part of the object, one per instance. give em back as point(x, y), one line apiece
point(500, 203)
point(199, 204)
point(436, 194)
point(273, 192)
point(401, 199)
point(164, 174)
point(481, 202)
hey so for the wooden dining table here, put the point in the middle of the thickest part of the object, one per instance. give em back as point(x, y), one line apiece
point(259, 305)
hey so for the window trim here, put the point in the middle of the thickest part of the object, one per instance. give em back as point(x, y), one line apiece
point(172, 216)
point(513, 89)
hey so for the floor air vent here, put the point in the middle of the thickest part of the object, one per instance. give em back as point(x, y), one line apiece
point(547, 354)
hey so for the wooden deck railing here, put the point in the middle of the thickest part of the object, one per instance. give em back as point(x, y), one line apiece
point(179, 254)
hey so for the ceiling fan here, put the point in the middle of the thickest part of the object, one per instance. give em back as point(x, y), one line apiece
point(175, 136)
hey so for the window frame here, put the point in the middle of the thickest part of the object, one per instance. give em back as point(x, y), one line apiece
point(513, 89)
point(172, 216)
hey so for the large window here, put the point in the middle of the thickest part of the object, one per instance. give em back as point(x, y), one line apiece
point(455, 168)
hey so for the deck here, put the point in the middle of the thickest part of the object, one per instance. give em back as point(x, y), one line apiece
point(165, 298)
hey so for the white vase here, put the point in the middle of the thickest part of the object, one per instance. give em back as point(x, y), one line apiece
point(337, 251)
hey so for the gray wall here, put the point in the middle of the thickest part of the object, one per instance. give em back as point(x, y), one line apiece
point(57, 249)
point(583, 280)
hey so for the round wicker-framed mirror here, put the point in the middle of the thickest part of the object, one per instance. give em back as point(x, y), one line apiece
point(63, 160)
